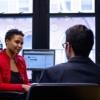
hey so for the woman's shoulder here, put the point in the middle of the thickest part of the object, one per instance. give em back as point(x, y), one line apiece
point(20, 58)
point(2, 53)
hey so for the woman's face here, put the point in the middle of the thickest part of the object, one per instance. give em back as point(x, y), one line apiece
point(14, 45)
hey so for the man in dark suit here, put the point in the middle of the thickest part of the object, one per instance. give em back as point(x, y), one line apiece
point(79, 68)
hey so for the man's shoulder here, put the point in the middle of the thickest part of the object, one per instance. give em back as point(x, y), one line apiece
point(59, 67)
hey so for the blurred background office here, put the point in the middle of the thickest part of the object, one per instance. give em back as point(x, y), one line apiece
point(44, 23)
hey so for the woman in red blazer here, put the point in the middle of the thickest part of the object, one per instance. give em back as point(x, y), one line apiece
point(13, 76)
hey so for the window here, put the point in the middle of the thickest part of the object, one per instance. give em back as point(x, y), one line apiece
point(58, 26)
point(66, 13)
point(16, 6)
point(22, 23)
point(17, 14)
point(87, 6)
point(72, 6)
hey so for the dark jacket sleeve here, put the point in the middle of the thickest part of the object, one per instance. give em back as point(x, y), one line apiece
point(49, 76)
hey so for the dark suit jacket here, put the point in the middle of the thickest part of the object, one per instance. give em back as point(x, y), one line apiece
point(76, 70)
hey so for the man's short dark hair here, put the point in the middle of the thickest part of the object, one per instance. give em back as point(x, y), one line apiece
point(81, 39)
point(10, 33)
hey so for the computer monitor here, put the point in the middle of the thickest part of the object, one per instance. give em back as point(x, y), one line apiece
point(39, 58)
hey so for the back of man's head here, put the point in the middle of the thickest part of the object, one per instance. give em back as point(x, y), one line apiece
point(81, 39)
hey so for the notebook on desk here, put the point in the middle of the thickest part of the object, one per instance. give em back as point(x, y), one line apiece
point(39, 58)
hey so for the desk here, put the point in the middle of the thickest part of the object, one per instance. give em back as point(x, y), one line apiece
point(10, 95)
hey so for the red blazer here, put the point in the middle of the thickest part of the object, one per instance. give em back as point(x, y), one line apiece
point(5, 74)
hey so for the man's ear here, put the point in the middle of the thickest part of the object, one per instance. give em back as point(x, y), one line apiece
point(67, 46)
point(69, 49)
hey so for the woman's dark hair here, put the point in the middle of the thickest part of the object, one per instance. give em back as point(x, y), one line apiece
point(10, 33)
point(81, 39)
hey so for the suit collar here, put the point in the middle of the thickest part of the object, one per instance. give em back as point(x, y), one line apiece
point(81, 59)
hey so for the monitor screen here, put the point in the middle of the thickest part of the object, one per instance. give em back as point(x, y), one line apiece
point(39, 58)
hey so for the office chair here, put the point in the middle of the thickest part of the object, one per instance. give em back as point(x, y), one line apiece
point(64, 91)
